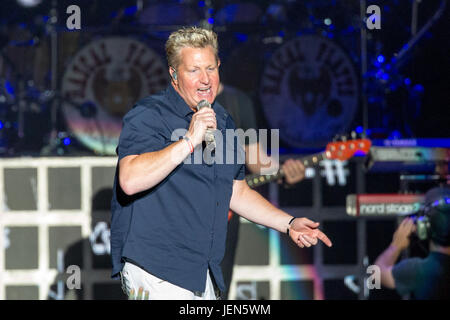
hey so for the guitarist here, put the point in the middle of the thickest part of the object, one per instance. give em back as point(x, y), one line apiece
point(240, 107)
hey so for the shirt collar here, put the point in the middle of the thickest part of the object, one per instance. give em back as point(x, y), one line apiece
point(179, 104)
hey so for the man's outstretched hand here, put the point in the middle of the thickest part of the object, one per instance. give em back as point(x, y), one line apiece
point(304, 233)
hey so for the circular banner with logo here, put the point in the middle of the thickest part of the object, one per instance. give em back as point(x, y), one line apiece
point(102, 82)
point(309, 90)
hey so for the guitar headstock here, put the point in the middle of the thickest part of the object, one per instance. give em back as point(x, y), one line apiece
point(346, 148)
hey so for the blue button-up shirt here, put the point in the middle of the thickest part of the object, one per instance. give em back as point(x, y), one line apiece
point(177, 229)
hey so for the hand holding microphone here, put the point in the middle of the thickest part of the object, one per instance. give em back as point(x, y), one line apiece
point(209, 134)
point(202, 125)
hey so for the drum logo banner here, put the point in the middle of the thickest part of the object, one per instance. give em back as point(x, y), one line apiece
point(102, 82)
point(309, 90)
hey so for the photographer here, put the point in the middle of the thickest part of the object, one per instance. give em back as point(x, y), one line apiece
point(427, 278)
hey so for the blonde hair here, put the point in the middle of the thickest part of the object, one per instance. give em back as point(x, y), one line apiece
point(193, 37)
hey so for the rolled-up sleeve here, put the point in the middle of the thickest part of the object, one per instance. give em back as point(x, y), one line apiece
point(143, 131)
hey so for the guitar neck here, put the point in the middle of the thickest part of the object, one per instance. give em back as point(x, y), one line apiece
point(256, 180)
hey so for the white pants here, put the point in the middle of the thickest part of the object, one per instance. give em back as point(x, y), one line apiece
point(133, 277)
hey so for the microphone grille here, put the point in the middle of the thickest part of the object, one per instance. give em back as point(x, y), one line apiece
point(202, 104)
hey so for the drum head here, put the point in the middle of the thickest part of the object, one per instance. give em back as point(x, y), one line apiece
point(102, 82)
point(309, 90)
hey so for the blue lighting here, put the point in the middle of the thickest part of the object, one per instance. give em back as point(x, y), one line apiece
point(130, 10)
point(281, 33)
point(380, 59)
point(241, 37)
point(67, 141)
point(419, 88)
point(9, 88)
point(395, 135)
point(201, 4)
point(1, 125)
point(211, 20)
point(348, 30)
point(359, 129)
point(407, 81)
point(230, 12)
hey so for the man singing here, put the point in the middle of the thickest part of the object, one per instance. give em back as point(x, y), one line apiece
point(169, 217)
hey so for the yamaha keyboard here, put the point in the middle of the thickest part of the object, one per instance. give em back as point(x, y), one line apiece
point(406, 159)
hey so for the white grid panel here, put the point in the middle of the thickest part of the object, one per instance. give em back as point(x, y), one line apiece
point(43, 218)
point(274, 273)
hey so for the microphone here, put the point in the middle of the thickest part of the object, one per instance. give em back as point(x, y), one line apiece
point(209, 135)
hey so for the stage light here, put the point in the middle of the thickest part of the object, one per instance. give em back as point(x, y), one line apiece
point(395, 134)
point(67, 141)
point(9, 88)
point(29, 3)
point(380, 59)
point(418, 88)
point(359, 129)
point(1, 125)
point(327, 21)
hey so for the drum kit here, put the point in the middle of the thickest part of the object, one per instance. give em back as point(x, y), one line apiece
point(64, 92)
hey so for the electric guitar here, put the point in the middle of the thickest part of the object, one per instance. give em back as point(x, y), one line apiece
point(334, 151)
